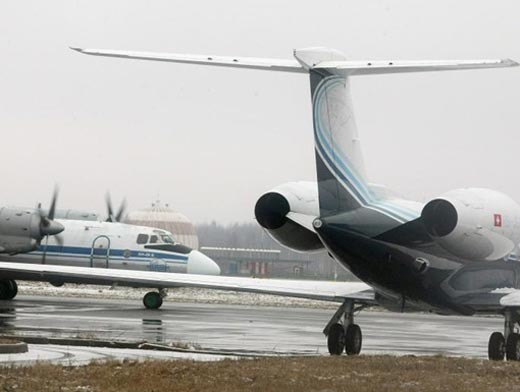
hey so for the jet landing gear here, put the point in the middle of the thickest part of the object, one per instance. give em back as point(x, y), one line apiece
point(508, 344)
point(154, 299)
point(8, 289)
point(342, 333)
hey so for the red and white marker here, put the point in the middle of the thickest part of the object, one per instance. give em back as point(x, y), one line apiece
point(498, 220)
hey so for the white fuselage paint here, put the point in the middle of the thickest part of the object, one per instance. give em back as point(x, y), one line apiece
point(488, 225)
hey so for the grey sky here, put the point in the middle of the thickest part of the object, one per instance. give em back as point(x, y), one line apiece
point(210, 140)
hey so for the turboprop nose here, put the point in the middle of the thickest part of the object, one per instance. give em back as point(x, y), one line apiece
point(199, 263)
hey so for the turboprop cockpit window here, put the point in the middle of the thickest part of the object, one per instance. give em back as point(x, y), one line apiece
point(167, 239)
point(142, 239)
point(154, 239)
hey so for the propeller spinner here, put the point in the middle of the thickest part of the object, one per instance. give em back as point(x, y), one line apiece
point(48, 226)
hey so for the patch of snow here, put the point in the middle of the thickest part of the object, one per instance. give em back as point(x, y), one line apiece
point(174, 295)
point(75, 356)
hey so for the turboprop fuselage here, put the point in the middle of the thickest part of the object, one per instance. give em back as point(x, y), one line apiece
point(116, 245)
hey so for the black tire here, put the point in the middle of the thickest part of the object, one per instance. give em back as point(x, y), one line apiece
point(513, 347)
point(353, 340)
point(8, 289)
point(152, 300)
point(13, 289)
point(336, 339)
point(496, 347)
point(4, 289)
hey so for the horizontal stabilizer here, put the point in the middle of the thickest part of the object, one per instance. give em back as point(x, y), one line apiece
point(298, 65)
point(385, 67)
point(236, 62)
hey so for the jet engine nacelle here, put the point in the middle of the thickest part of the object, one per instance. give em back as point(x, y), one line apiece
point(475, 224)
point(287, 212)
point(19, 230)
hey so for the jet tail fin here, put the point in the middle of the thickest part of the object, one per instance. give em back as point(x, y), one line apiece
point(342, 182)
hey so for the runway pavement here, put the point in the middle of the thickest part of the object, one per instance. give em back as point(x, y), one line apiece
point(240, 329)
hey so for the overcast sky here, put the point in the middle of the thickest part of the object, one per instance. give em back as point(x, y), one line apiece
point(209, 140)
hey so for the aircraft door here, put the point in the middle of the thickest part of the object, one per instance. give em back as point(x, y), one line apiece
point(100, 252)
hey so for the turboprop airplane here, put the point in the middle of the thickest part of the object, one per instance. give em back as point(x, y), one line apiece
point(39, 237)
point(452, 255)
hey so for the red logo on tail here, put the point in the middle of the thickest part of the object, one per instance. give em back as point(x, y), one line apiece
point(498, 220)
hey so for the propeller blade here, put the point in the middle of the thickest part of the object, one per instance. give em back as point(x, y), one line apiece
point(121, 211)
point(52, 208)
point(114, 217)
point(110, 211)
point(45, 249)
point(59, 239)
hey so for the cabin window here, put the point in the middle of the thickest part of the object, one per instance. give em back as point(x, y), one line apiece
point(154, 239)
point(142, 238)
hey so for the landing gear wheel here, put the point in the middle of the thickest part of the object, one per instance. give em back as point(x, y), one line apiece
point(353, 340)
point(496, 347)
point(336, 339)
point(152, 300)
point(13, 289)
point(8, 289)
point(513, 347)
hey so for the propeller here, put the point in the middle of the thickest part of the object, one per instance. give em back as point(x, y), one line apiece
point(48, 226)
point(120, 213)
point(59, 241)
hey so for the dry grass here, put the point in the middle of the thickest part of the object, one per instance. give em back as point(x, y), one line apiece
point(364, 373)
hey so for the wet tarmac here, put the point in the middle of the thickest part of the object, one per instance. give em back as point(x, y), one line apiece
point(237, 329)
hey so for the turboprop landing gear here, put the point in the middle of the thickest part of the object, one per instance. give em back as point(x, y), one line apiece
point(154, 299)
point(507, 344)
point(8, 289)
point(342, 333)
